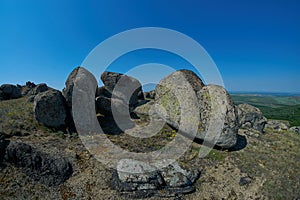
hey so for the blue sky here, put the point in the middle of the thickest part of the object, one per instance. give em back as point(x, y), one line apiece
point(255, 44)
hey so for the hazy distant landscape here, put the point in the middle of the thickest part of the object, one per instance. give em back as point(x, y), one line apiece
point(283, 106)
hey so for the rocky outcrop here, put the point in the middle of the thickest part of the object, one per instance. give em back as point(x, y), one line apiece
point(27, 88)
point(278, 125)
point(42, 167)
point(50, 109)
point(295, 129)
point(124, 87)
point(9, 91)
point(150, 95)
point(140, 180)
point(40, 88)
point(251, 117)
point(107, 105)
point(183, 91)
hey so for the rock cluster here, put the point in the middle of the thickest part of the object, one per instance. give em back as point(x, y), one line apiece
point(251, 117)
point(123, 87)
point(120, 91)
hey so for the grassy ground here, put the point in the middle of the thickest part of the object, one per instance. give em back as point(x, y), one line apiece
point(271, 161)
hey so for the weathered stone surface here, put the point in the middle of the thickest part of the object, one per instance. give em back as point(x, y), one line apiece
point(28, 88)
point(50, 109)
point(139, 179)
point(47, 169)
point(216, 114)
point(278, 125)
point(144, 109)
point(102, 91)
point(124, 87)
point(295, 129)
point(150, 95)
point(40, 88)
point(75, 76)
point(9, 91)
point(251, 117)
point(176, 100)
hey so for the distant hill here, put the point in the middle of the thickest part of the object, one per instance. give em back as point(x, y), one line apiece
point(273, 106)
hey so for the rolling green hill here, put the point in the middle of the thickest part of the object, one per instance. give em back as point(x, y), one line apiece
point(273, 107)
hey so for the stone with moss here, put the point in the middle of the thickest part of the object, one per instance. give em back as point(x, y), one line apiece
point(186, 104)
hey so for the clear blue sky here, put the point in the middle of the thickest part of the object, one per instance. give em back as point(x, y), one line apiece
point(255, 43)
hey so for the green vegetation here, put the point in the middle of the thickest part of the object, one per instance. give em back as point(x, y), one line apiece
point(273, 107)
point(274, 156)
point(290, 113)
point(267, 101)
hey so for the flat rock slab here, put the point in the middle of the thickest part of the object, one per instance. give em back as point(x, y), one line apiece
point(137, 179)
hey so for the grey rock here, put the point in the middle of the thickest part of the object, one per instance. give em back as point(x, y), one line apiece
point(216, 114)
point(47, 169)
point(135, 175)
point(245, 181)
point(139, 179)
point(28, 88)
point(50, 109)
point(31, 98)
point(75, 76)
point(124, 87)
point(102, 91)
point(295, 129)
point(150, 95)
point(104, 106)
point(40, 88)
point(277, 125)
point(144, 109)
point(9, 91)
point(251, 117)
point(176, 177)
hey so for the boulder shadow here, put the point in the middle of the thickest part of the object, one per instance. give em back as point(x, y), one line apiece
point(110, 127)
point(240, 144)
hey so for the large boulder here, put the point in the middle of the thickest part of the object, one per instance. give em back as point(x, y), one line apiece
point(251, 117)
point(9, 91)
point(218, 116)
point(50, 109)
point(75, 76)
point(184, 91)
point(124, 87)
point(45, 168)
